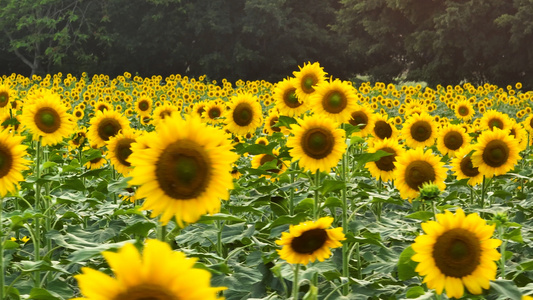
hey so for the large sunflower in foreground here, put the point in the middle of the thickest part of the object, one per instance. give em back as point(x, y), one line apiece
point(158, 274)
point(309, 76)
point(310, 241)
point(496, 152)
point(119, 149)
point(384, 167)
point(287, 102)
point(317, 143)
point(451, 139)
point(47, 118)
point(105, 125)
point(244, 114)
point(334, 99)
point(185, 172)
point(457, 252)
point(416, 167)
point(419, 130)
point(463, 168)
point(12, 161)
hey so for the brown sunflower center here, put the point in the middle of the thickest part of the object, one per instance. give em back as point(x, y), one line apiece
point(457, 252)
point(4, 99)
point(267, 158)
point(243, 114)
point(146, 292)
point(531, 123)
point(102, 107)
point(419, 172)
point(273, 122)
point(78, 114)
point(214, 113)
point(463, 111)
point(495, 122)
point(468, 168)
point(382, 129)
point(165, 113)
point(386, 163)
point(47, 120)
point(360, 119)
point(308, 82)
point(496, 153)
point(318, 143)
point(183, 170)
point(290, 98)
point(123, 150)
point(108, 127)
point(144, 105)
point(334, 102)
point(453, 140)
point(309, 241)
point(6, 160)
point(421, 131)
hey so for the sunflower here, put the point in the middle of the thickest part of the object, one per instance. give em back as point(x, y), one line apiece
point(261, 159)
point(185, 171)
point(451, 139)
point(12, 161)
point(47, 118)
point(7, 96)
point(383, 128)
point(79, 137)
point(158, 274)
point(270, 124)
point(528, 124)
point(262, 140)
point(496, 152)
point(102, 106)
point(10, 121)
point(463, 168)
point(120, 149)
point(414, 168)
point(105, 125)
point(464, 110)
point(495, 119)
point(457, 252)
point(362, 117)
point(309, 76)
point(244, 114)
point(96, 163)
point(78, 113)
point(334, 99)
point(144, 105)
point(163, 111)
point(213, 112)
point(310, 241)
point(520, 134)
point(419, 130)
point(384, 167)
point(287, 103)
point(317, 143)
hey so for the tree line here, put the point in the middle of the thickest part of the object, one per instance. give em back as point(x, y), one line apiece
point(437, 41)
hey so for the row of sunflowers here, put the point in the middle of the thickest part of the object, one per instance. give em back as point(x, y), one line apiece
point(312, 187)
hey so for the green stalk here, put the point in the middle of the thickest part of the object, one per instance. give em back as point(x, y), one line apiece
point(345, 250)
point(162, 233)
point(315, 205)
point(37, 240)
point(2, 238)
point(291, 191)
point(482, 203)
point(295, 282)
point(501, 230)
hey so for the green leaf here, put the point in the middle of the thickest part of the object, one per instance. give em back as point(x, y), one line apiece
point(256, 149)
point(289, 220)
point(49, 164)
point(285, 121)
point(305, 205)
point(140, 228)
point(42, 294)
point(329, 185)
point(364, 158)
point(406, 266)
point(514, 235)
point(421, 215)
point(415, 292)
point(9, 244)
point(506, 288)
point(220, 217)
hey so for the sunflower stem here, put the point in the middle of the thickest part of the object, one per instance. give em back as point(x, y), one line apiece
point(345, 250)
point(295, 282)
point(482, 201)
point(291, 191)
point(37, 221)
point(317, 185)
point(501, 229)
point(2, 239)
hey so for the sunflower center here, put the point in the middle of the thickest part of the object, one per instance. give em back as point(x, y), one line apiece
point(273, 121)
point(243, 114)
point(309, 241)
point(266, 158)
point(531, 123)
point(146, 292)
point(78, 114)
point(463, 111)
point(360, 119)
point(123, 150)
point(457, 252)
point(307, 84)
point(108, 127)
point(386, 163)
point(6, 160)
point(183, 170)
point(290, 98)
point(495, 123)
point(143, 105)
point(334, 102)
point(468, 168)
point(317, 143)
point(165, 113)
point(419, 172)
point(496, 153)
point(383, 129)
point(4, 99)
point(47, 120)
point(453, 140)
point(214, 113)
point(421, 131)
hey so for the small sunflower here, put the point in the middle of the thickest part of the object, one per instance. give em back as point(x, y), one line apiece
point(463, 168)
point(78, 113)
point(496, 152)
point(7, 96)
point(309, 76)
point(519, 134)
point(457, 251)
point(451, 139)
point(287, 103)
point(270, 124)
point(47, 118)
point(261, 159)
point(12, 161)
point(158, 273)
point(464, 110)
point(244, 114)
point(495, 119)
point(105, 125)
point(419, 131)
point(213, 112)
point(96, 163)
point(120, 149)
point(163, 111)
point(362, 117)
point(185, 172)
point(144, 106)
point(310, 241)
point(101, 105)
point(262, 141)
point(10, 121)
point(317, 143)
point(334, 99)
point(416, 167)
point(384, 167)
point(384, 128)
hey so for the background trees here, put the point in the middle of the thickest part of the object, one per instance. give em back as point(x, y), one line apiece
point(438, 41)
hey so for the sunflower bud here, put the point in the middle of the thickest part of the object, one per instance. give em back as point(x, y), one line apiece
point(429, 191)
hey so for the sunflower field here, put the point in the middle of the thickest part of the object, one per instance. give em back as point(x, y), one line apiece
point(308, 188)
